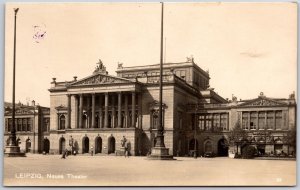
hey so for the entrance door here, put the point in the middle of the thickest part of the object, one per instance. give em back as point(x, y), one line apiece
point(98, 145)
point(62, 145)
point(46, 146)
point(111, 145)
point(222, 148)
point(85, 145)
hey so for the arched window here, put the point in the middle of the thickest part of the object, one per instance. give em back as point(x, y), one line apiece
point(62, 122)
point(208, 147)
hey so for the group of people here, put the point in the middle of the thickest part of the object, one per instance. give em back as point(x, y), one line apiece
point(66, 152)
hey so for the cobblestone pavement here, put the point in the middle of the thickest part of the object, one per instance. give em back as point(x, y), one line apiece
point(39, 170)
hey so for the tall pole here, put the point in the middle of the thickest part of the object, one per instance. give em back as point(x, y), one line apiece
point(13, 129)
point(160, 131)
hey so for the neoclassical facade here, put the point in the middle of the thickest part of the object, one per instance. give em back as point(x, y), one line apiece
point(99, 111)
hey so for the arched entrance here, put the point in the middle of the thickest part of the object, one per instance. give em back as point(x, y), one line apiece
point(98, 145)
point(85, 145)
point(111, 145)
point(46, 146)
point(208, 147)
point(62, 145)
point(222, 147)
point(28, 145)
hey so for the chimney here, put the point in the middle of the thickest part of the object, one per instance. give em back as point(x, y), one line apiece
point(33, 103)
point(75, 78)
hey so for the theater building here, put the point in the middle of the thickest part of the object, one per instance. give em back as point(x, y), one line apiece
point(98, 112)
point(32, 124)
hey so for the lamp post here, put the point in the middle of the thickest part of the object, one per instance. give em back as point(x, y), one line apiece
point(13, 149)
point(159, 151)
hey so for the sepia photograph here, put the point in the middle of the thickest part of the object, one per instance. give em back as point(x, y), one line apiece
point(150, 94)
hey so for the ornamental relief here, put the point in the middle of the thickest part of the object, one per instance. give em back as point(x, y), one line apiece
point(100, 79)
point(263, 102)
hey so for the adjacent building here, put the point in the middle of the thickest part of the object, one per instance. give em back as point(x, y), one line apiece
point(32, 124)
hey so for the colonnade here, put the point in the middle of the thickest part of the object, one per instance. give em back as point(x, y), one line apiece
point(104, 110)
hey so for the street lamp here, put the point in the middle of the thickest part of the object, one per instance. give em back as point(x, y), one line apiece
point(13, 149)
point(159, 151)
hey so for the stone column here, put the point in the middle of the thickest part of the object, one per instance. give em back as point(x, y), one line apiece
point(76, 111)
point(100, 112)
point(69, 112)
point(119, 110)
point(140, 110)
point(133, 110)
point(88, 112)
point(80, 110)
point(113, 123)
point(93, 110)
point(126, 111)
point(106, 111)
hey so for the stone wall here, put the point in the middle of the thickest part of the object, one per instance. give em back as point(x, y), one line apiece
point(56, 99)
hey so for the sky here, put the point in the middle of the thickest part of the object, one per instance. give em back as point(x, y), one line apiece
point(248, 48)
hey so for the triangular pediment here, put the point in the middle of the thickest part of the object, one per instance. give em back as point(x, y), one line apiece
point(98, 78)
point(262, 101)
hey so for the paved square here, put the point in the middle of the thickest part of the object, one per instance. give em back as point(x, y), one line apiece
point(39, 170)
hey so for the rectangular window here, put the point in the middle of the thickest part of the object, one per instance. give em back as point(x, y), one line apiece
point(253, 120)
point(29, 124)
point(216, 122)
point(224, 121)
point(202, 122)
point(24, 125)
point(245, 120)
point(278, 121)
point(270, 119)
point(208, 122)
point(261, 120)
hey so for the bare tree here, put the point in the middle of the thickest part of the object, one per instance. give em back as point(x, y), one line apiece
point(237, 136)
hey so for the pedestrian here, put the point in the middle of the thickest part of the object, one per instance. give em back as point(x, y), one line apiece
point(92, 150)
point(63, 155)
point(126, 149)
